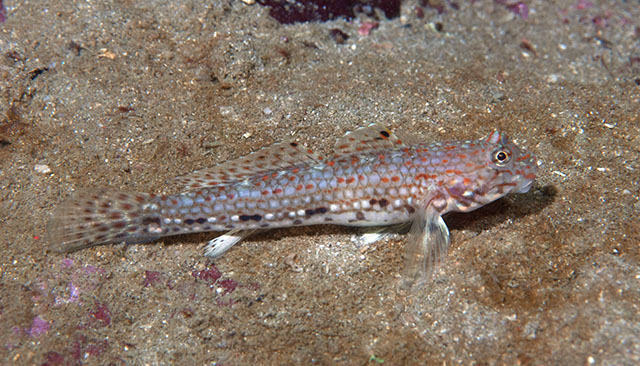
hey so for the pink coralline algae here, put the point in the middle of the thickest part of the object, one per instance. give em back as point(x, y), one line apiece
point(584, 4)
point(53, 359)
point(301, 11)
point(151, 278)
point(518, 8)
point(101, 315)
point(228, 285)
point(84, 346)
point(212, 276)
point(209, 275)
point(367, 27)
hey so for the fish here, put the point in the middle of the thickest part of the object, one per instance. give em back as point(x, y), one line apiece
point(377, 178)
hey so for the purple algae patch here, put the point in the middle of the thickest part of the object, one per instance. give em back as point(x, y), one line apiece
point(74, 294)
point(67, 262)
point(93, 270)
point(301, 11)
point(3, 12)
point(39, 327)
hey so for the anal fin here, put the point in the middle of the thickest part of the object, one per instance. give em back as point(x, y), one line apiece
point(218, 246)
point(375, 234)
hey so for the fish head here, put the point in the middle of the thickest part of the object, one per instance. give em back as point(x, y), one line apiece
point(495, 167)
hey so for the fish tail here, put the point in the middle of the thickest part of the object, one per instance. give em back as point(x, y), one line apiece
point(99, 216)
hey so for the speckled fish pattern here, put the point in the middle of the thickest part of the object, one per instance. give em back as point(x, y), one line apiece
point(376, 178)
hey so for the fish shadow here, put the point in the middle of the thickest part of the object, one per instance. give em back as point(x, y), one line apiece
point(512, 206)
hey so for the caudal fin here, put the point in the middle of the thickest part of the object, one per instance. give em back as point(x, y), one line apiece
point(100, 216)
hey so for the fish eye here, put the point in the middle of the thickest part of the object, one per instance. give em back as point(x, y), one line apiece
point(501, 157)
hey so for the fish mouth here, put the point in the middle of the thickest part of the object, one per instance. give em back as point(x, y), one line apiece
point(525, 187)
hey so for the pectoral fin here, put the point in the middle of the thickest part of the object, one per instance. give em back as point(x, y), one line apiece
point(428, 244)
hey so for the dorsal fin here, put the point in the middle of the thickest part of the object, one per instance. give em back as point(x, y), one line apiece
point(276, 157)
point(371, 138)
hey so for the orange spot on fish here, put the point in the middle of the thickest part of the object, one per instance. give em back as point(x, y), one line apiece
point(309, 186)
point(299, 187)
point(466, 181)
point(331, 163)
point(265, 192)
point(277, 190)
point(340, 180)
point(351, 180)
point(395, 178)
point(525, 157)
point(384, 180)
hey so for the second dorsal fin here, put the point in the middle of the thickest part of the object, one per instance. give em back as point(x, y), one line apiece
point(276, 157)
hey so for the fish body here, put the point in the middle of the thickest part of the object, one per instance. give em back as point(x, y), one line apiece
point(376, 178)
